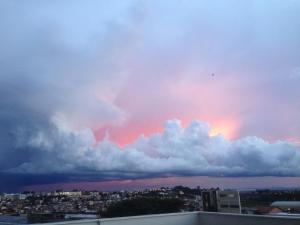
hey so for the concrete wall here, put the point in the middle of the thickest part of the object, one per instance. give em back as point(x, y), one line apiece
point(191, 218)
point(163, 219)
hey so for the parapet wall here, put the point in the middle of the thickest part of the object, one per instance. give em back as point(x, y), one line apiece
point(190, 218)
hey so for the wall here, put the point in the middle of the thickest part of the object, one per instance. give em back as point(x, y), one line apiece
point(190, 218)
point(208, 218)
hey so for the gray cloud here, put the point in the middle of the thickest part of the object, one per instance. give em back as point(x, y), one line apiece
point(50, 66)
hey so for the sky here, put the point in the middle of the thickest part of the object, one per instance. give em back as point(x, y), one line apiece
point(148, 91)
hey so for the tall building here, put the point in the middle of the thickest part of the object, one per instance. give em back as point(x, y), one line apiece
point(226, 201)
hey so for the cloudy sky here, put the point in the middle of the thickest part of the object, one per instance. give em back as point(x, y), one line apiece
point(148, 90)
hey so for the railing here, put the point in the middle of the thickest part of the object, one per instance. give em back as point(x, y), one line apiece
point(190, 218)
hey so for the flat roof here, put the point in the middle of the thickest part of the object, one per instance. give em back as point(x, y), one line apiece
point(286, 204)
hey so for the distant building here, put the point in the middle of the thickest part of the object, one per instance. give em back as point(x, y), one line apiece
point(210, 201)
point(70, 193)
point(15, 196)
point(226, 201)
point(229, 201)
point(287, 206)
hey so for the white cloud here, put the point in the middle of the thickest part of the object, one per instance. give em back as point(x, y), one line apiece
point(177, 151)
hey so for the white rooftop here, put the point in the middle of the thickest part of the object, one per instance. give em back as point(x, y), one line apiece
point(286, 204)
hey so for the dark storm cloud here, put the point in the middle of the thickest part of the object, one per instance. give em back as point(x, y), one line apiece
point(44, 73)
point(177, 151)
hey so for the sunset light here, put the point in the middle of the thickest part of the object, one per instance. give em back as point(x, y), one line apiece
point(133, 91)
point(227, 128)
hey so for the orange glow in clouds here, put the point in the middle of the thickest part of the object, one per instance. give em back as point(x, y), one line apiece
point(128, 134)
point(227, 128)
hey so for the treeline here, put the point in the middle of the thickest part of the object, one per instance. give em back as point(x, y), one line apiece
point(143, 206)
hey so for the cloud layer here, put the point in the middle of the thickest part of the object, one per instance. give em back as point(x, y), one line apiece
point(177, 151)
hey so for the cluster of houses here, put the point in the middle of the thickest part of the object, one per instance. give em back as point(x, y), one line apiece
point(90, 204)
point(84, 202)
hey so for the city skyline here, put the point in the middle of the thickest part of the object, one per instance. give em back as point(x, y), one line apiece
point(149, 91)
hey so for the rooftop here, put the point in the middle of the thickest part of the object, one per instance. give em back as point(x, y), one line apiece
point(286, 204)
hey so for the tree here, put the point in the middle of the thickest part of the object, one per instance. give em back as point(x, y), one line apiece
point(143, 206)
